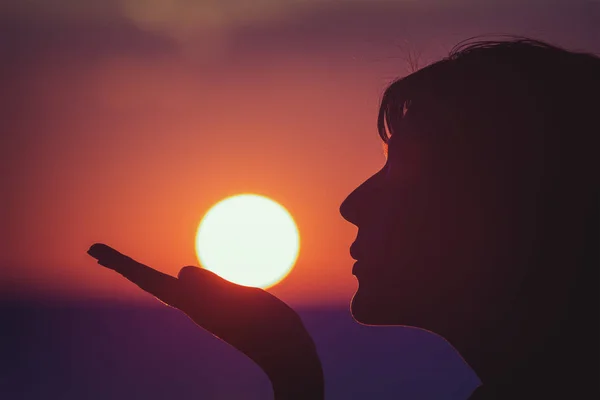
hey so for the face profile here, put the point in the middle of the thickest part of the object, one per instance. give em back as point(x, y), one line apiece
point(482, 226)
point(418, 224)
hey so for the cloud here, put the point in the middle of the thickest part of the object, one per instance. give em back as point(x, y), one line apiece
point(224, 30)
point(60, 9)
point(217, 28)
point(203, 25)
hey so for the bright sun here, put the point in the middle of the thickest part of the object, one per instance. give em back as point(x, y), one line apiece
point(248, 239)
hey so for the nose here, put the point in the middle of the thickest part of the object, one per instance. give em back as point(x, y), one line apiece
point(356, 205)
point(348, 209)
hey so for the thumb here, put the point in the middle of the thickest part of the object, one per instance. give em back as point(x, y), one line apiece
point(194, 276)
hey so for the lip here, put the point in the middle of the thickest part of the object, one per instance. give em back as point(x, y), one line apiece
point(354, 252)
point(356, 268)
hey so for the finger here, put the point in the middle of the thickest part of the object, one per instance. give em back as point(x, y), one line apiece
point(101, 251)
point(109, 257)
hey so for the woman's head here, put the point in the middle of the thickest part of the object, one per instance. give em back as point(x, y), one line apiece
point(491, 173)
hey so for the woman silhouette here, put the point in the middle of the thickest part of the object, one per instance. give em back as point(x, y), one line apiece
point(482, 227)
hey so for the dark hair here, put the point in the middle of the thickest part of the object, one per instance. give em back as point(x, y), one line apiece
point(490, 99)
point(481, 79)
point(527, 112)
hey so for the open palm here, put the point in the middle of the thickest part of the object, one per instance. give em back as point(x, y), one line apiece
point(250, 319)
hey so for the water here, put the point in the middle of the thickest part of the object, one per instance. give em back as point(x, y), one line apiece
point(109, 351)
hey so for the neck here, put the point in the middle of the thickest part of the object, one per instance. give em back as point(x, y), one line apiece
point(548, 345)
point(560, 362)
point(563, 378)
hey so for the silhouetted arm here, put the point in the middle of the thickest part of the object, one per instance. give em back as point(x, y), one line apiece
point(299, 382)
point(255, 322)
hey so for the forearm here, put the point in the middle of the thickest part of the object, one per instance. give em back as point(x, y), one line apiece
point(298, 380)
point(299, 388)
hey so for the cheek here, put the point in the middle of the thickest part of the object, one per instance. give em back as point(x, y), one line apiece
point(432, 218)
point(376, 233)
point(414, 228)
point(428, 244)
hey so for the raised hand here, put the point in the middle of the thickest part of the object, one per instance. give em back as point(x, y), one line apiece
point(252, 320)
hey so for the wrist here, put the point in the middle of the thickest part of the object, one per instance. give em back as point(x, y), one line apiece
point(298, 382)
point(299, 388)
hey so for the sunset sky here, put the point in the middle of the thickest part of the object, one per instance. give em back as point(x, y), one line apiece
point(123, 121)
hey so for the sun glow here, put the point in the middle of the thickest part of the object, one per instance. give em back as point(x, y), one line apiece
point(248, 239)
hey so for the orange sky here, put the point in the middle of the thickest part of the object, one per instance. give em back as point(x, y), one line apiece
point(126, 133)
point(133, 155)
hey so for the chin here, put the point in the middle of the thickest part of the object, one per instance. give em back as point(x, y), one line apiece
point(371, 310)
point(381, 307)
